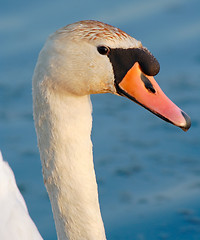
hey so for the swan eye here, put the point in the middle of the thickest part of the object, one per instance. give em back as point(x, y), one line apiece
point(103, 50)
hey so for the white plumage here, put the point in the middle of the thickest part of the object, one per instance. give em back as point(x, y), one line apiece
point(15, 221)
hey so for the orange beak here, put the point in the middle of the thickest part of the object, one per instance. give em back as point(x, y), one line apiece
point(145, 91)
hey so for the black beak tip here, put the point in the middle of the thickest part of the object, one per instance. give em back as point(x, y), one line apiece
point(187, 122)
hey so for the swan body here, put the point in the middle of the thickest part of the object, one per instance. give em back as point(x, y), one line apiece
point(15, 222)
point(80, 59)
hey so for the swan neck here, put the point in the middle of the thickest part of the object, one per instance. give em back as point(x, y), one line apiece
point(63, 125)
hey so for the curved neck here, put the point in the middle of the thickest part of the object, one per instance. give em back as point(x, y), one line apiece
point(63, 125)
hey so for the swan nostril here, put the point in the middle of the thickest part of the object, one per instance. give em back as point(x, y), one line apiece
point(148, 85)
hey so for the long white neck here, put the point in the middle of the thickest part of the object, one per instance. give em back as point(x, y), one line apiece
point(63, 123)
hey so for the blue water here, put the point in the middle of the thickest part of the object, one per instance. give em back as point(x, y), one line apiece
point(148, 170)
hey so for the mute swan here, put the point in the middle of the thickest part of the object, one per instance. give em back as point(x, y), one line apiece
point(80, 59)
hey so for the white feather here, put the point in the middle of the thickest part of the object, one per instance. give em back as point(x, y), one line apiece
point(15, 222)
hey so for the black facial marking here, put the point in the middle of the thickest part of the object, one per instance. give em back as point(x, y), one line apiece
point(123, 59)
point(148, 63)
point(147, 83)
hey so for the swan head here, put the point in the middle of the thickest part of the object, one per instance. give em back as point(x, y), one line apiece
point(90, 57)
